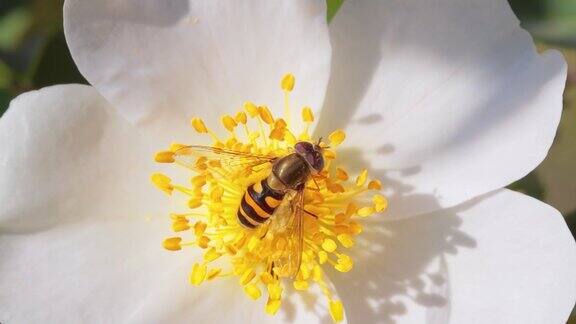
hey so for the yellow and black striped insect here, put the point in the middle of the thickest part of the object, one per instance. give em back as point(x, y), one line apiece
point(279, 198)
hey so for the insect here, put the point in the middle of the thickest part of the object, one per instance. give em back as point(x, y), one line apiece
point(277, 200)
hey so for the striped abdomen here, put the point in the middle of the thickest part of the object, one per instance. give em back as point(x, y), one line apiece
point(258, 204)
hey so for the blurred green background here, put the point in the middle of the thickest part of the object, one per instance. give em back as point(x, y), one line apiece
point(33, 54)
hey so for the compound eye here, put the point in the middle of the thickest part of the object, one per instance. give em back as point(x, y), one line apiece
point(303, 147)
point(318, 163)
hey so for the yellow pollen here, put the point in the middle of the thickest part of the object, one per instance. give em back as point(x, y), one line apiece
point(199, 126)
point(344, 263)
point(162, 182)
point(253, 291)
point(361, 180)
point(336, 310)
point(375, 185)
point(272, 306)
point(199, 228)
point(337, 137)
point(341, 174)
point(307, 115)
point(198, 181)
point(247, 276)
point(346, 240)
point(211, 255)
point(229, 123)
point(203, 242)
point(287, 83)
point(274, 291)
point(198, 274)
point(241, 118)
point(266, 115)
point(251, 109)
point(329, 245)
point(180, 226)
point(208, 199)
point(194, 203)
point(172, 244)
point(380, 203)
point(213, 273)
point(365, 211)
point(164, 157)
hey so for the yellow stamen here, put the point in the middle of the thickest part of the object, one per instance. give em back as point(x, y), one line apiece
point(361, 180)
point(164, 157)
point(198, 274)
point(247, 276)
point(162, 182)
point(272, 306)
point(329, 245)
point(213, 273)
point(229, 123)
point(241, 118)
point(336, 310)
point(211, 255)
point(251, 109)
point(380, 203)
point(337, 137)
point(341, 174)
point(199, 126)
point(180, 226)
point(266, 115)
point(365, 211)
point(307, 115)
point(346, 240)
point(253, 291)
point(287, 83)
point(255, 256)
point(375, 185)
point(172, 244)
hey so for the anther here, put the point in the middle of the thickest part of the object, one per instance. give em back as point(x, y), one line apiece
point(162, 182)
point(361, 180)
point(229, 123)
point(199, 126)
point(336, 310)
point(288, 82)
point(265, 115)
point(172, 244)
point(252, 291)
point(380, 203)
point(251, 109)
point(307, 115)
point(198, 274)
point(164, 157)
point(336, 137)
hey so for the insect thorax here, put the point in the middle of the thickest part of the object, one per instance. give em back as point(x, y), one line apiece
point(291, 171)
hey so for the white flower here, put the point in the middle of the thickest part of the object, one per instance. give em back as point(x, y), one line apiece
point(447, 102)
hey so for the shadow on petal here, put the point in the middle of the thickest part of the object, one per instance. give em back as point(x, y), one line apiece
point(401, 266)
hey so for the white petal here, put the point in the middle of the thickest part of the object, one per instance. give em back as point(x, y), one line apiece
point(501, 258)
point(447, 100)
point(65, 154)
point(223, 301)
point(115, 271)
point(79, 240)
point(162, 62)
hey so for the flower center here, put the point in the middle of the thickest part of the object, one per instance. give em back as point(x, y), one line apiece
point(252, 226)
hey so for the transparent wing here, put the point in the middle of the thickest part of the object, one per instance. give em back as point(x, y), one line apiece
point(286, 227)
point(189, 156)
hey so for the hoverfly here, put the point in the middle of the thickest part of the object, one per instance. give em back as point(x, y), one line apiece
point(277, 200)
